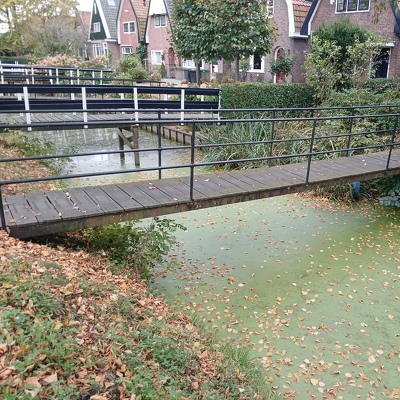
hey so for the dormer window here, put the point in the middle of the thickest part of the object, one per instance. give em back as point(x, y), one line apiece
point(160, 20)
point(96, 26)
point(129, 27)
point(352, 5)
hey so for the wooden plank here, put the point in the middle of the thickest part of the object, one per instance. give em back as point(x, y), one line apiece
point(143, 198)
point(121, 197)
point(102, 199)
point(62, 202)
point(152, 190)
point(21, 213)
point(43, 210)
point(172, 189)
point(84, 203)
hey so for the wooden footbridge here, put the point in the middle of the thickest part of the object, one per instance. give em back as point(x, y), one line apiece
point(325, 156)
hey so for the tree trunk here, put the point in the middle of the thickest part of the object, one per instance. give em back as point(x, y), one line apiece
point(198, 72)
point(236, 69)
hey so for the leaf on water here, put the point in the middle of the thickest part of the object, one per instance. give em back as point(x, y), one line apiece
point(372, 359)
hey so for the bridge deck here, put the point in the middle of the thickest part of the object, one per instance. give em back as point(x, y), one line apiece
point(75, 121)
point(36, 214)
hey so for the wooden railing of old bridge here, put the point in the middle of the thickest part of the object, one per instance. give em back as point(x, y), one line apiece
point(289, 150)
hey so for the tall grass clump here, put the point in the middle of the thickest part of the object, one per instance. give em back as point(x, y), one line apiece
point(255, 144)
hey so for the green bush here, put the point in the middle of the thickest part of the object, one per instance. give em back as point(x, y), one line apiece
point(131, 68)
point(266, 95)
point(134, 249)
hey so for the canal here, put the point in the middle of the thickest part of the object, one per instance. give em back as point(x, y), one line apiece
point(311, 287)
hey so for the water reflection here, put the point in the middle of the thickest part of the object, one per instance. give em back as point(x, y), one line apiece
point(107, 139)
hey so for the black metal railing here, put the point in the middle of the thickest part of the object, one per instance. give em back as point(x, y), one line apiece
point(345, 132)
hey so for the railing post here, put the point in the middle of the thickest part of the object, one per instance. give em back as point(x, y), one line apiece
point(192, 148)
point(84, 105)
point(33, 75)
point(350, 132)
point(27, 107)
point(159, 144)
point(57, 77)
point(2, 74)
point(136, 103)
point(77, 75)
point(182, 104)
point(311, 151)
point(392, 143)
point(2, 216)
point(51, 74)
point(272, 137)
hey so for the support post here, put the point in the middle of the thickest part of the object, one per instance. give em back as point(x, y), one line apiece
point(121, 147)
point(135, 143)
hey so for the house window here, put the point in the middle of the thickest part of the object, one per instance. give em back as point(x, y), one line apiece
point(256, 63)
point(96, 26)
point(191, 64)
point(270, 7)
point(352, 5)
point(126, 51)
point(129, 27)
point(381, 64)
point(156, 57)
point(97, 50)
point(105, 49)
point(160, 20)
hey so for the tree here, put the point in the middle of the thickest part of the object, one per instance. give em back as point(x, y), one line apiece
point(341, 55)
point(39, 26)
point(221, 29)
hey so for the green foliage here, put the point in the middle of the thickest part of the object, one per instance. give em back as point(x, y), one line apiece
point(283, 64)
point(341, 55)
point(267, 95)
point(132, 248)
point(141, 51)
point(393, 195)
point(131, 67)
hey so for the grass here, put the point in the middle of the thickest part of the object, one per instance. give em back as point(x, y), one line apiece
point(71, 329)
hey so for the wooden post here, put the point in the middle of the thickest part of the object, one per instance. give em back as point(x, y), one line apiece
point(135, 143)
point(121, 147)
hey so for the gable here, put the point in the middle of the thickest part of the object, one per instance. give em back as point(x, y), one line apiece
point(300, 11)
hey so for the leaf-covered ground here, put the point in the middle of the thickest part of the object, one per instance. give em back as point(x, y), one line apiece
point(71, 329)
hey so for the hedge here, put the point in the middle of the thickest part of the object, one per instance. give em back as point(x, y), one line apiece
point(267, 95)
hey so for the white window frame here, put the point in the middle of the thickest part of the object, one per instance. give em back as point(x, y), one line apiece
point(97, 49)
point(105, 48)
point(127, 27)
point(345, 6)
point(270, 8)
point(262, 69)
point(126, 53)
point(160, 20)
point(190, 64)
point(96, 27)
point(156, 57)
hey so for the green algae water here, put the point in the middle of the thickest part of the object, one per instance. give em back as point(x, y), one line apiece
point(311, 288)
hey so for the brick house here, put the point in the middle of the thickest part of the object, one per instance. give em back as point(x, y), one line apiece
point(131, 25)
point(289, 16)
point(103, 30)
point(363, 13)
point(159, 50)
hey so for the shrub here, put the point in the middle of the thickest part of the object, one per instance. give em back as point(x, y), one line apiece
point(134, 249)
point(131, 68)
